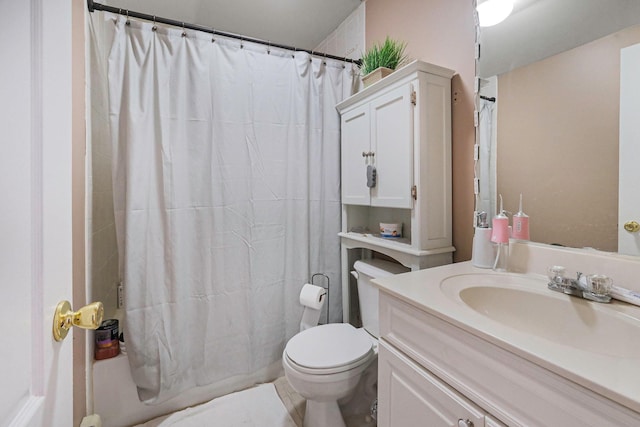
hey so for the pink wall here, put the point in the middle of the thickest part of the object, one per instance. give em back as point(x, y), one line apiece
point(576, 95)
point(440, 32)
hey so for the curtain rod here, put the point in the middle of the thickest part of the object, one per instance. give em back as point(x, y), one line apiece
point(93, 6)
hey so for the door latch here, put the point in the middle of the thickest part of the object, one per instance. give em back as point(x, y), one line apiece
point(371, 176)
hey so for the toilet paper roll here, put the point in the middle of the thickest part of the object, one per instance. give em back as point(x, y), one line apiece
point(312, 296)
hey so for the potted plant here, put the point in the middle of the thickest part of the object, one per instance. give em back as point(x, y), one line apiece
point(381, 60)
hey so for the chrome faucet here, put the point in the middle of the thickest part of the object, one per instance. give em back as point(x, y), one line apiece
point(576, 287)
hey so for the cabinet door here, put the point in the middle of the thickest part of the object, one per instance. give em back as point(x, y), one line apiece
point(356, 137)
point(489, 421)
point(392, 145)
point(410, 396)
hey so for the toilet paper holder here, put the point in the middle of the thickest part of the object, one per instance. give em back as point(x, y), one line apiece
point(313, 276)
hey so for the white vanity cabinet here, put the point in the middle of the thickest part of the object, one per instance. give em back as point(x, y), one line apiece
point(413, 396)
point(401, 126)
point(433, 373)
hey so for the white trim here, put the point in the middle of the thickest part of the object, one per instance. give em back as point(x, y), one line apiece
point(27, 412)
point(37, 313)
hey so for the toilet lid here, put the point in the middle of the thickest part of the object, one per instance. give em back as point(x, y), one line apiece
point(328, 346)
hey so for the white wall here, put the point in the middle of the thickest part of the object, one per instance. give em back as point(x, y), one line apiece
point(348, 39)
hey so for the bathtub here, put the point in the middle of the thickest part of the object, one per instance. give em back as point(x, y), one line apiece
point(115, 397)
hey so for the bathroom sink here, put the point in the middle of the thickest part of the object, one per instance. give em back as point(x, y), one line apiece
point(525, 304)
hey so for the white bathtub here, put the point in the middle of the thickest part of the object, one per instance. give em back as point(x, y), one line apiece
point(115, 397)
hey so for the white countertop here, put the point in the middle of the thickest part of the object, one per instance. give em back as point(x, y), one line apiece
point(617, 378)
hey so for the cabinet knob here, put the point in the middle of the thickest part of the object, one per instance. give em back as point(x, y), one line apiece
point(464, 423)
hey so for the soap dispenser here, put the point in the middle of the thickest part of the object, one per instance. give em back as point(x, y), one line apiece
point(483, 254)
point(521, 224)
point(500, 236)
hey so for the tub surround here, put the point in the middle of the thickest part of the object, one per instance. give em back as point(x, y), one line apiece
point(466, 346)
point(116, 399)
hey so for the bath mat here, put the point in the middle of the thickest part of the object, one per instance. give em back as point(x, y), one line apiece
point(255, 407)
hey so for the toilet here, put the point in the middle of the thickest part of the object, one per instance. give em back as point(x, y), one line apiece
point(325, 363)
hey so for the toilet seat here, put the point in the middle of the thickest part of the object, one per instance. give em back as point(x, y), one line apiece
point(329, 349)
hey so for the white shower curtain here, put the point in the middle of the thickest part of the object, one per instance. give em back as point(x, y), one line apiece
point(226, 192)
point(486, 167)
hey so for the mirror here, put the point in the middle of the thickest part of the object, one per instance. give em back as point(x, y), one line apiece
point(553, 68)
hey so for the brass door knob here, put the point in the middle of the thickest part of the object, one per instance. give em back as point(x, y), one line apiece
point(632, 226)
point(88, 317)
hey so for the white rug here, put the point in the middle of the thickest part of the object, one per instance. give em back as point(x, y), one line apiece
point(255, 407)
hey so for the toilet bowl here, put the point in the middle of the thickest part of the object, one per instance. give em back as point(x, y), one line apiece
point(325, 363)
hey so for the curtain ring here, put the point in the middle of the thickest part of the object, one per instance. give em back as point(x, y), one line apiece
point(128, 21)
point(268, 47)
point(311, 56)
point(155, 27)
point(184, 33)
point(241, 43)
point(295, 49)
point(324, 62)
point(213, 35)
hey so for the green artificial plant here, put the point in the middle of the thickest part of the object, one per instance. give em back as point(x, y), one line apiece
point(389, 54)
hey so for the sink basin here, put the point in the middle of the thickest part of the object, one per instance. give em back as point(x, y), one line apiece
point(524, 303)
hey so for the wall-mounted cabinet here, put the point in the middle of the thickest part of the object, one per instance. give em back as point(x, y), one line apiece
point(378, 135)
point(396, 168)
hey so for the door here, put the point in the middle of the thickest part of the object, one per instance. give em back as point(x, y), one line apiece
point(356, 155)
point(392, 145)
point(35, 218)
point(629, 173)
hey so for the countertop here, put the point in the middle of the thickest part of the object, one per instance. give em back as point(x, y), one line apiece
point(614, 377)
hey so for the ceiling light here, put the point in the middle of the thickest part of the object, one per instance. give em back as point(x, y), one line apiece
point(492, 12)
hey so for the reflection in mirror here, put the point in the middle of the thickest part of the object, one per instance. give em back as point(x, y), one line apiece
point(550, 120)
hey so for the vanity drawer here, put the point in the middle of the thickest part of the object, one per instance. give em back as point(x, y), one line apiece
point(515, 390)
point(408, 392)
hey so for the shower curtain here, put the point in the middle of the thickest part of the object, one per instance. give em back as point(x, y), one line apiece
point(226, 191)
point(486, 167)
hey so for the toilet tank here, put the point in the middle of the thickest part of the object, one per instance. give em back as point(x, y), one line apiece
point(368, 293)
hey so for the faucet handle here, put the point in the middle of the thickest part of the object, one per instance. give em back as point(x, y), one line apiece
point(556, 273)
point(556, 278)
point(599, 287)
